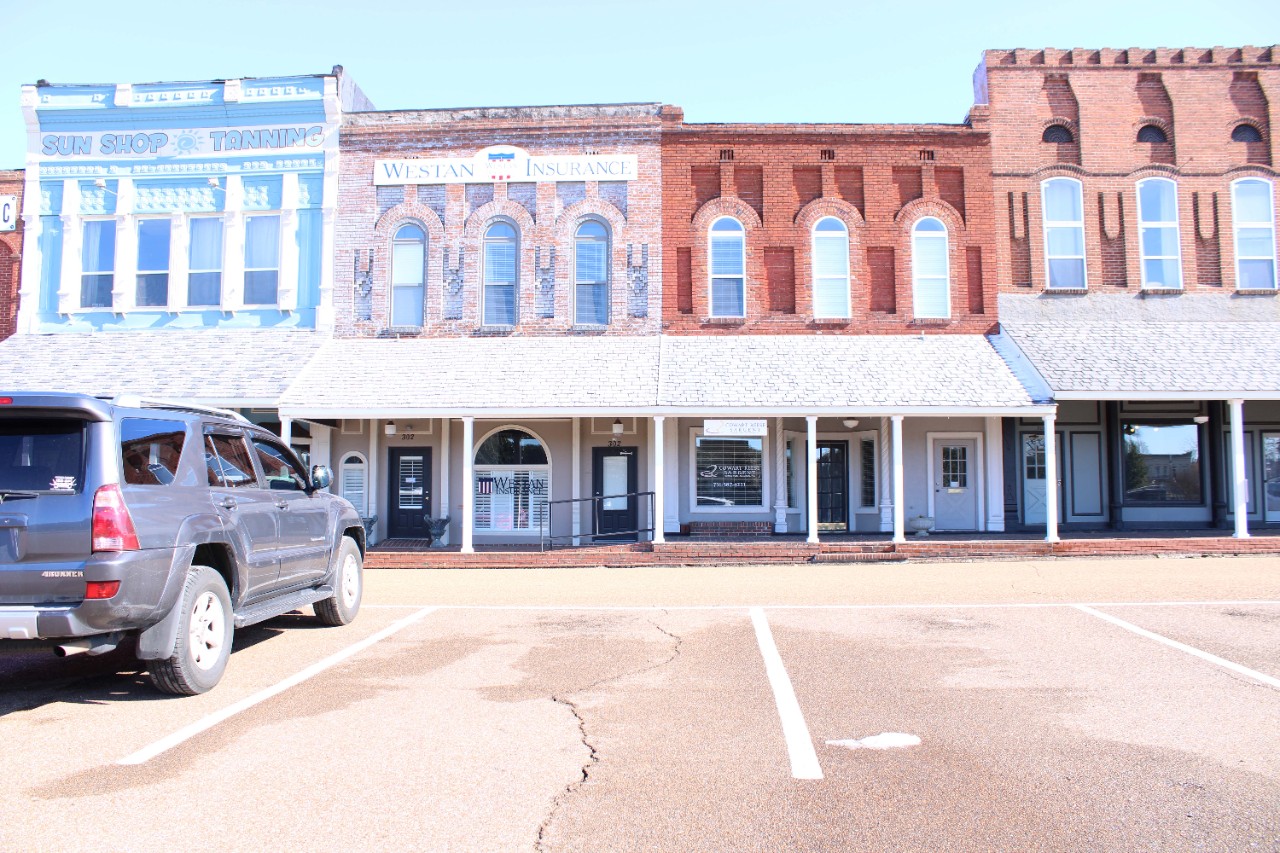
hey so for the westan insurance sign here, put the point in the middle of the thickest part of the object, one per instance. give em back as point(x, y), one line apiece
point(502, 163)
point(8, 213)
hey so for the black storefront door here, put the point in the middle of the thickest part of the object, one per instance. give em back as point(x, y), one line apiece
point(409, 482)
point(833, 485)
point(613, 479)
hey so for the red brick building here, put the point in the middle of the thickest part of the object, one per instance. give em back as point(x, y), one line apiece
point(869, 185)
point(1135, 193)
point(10, 249)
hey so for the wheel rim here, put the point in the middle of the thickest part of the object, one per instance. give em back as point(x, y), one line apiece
point(208, 631)
point(350, 581)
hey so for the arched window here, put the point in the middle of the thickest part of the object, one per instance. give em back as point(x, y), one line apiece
point(1151, 133)
point(1063, 232)
point(1158, 233)
point(728, 268)
point(501, 272)
point(513, 483)
point(1254, 216)
point(355, 482)
point(1245, 133)
point(1057, 133)
point(930, 269)
point(408, 275)
point(591, 274)
point(830, 268)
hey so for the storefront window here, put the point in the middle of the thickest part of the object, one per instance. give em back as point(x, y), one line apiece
point(1271, 474)
point(730, 471)
point(1162, 463)
point(513, 483)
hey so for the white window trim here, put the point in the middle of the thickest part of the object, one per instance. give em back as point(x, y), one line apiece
point(82, 220)
point(245, 269)
point(364, 473)
point(137, 266)
point(533, 532)
point(762, 508)
point(1048, 224)
point(915, 277)
point(184, 303)
point(1237, 224)
point(741, 235)
point(422, 282)
point(608, 271)
point(1143, 224)
point(484, 283)
point(813, 256)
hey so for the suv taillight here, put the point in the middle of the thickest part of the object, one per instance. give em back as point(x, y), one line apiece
point(112, 527)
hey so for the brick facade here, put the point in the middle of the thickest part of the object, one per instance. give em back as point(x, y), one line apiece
point(780, 180)
point(455, 216)
point(1104, 99)
point(10, 257)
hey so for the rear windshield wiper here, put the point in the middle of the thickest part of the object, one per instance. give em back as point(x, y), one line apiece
point(10, 495)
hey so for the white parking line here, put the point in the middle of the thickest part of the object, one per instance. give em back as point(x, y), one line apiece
point(182, 735)
point(652, 608)
point(804, 760)
point(1183, 647)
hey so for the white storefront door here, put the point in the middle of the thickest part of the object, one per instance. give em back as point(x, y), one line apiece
point(955, 484)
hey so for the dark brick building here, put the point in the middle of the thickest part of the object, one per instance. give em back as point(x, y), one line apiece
point(10, 249)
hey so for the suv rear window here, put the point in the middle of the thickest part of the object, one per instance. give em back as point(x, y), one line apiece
point(150, 449)
point(41, 454)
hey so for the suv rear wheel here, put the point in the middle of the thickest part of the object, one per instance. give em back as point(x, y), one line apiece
point(204, 638)
point(348, 587)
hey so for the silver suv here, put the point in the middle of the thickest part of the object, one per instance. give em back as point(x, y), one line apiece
point(168, 523)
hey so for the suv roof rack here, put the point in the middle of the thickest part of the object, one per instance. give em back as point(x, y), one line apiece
point(133, 401)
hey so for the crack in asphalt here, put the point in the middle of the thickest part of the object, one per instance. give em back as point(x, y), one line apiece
point(593, 756)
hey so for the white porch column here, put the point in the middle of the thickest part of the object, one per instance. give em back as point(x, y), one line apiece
point(659, 479)
point(1241, 491)
point(372, 497)
point(1051, 478)
point(883, 480)
point(575, 487)
point(993, 443)
point(899, 500)
point(468, 484)
point(780, 495)
point(445, 508)
point(811, 442)
point(286, 430)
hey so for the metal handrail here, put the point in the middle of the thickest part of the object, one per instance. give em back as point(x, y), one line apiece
point(548, 537)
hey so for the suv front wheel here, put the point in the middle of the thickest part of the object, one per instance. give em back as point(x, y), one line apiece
point(348, 587)
point(204, 637)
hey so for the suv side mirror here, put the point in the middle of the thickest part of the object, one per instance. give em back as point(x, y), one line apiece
point(321, 476)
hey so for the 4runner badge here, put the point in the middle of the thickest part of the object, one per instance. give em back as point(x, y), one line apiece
point(63, 484)
point(62, 574)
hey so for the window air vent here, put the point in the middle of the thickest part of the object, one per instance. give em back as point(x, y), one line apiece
point(827, 154)
point(926, 154)
point(1246, 133)
point(726, 155)
point(1151, 133)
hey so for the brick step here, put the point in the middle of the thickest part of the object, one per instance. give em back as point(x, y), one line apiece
point(859, 557)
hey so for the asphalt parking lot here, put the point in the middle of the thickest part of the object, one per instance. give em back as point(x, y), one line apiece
point(1064, 705)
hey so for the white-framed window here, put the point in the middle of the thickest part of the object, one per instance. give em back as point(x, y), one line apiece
point(591, 274)
point(98, 265)
point(501, 273)
point(729, 473)
point(512, 483)
point(930, 268)
point(728, 262)
point(204, 261)
point(1253, 213)
point(867, 497)
point(1063, 206)
point(408, 275)
point(262, 259)
point(154, 239)
point(1158, 233)
point(830, 268)
point(355, 482)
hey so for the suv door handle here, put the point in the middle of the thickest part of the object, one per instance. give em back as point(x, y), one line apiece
point(228, 503)
point(282, 504)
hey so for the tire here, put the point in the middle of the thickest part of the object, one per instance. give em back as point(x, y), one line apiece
point(205, 632)
point(348, 587)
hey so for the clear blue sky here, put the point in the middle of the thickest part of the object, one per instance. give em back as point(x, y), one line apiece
point(721, 60)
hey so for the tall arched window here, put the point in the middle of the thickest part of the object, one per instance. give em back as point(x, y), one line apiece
point(1061, 199)
point(355, 482)
point(830, 268)
point(501, 272)
point(1253, 212)
point(930, 268)
point(591, 274)
point(513, 483)
point(1158, 233)
point(408, 275)
point(728, 268)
